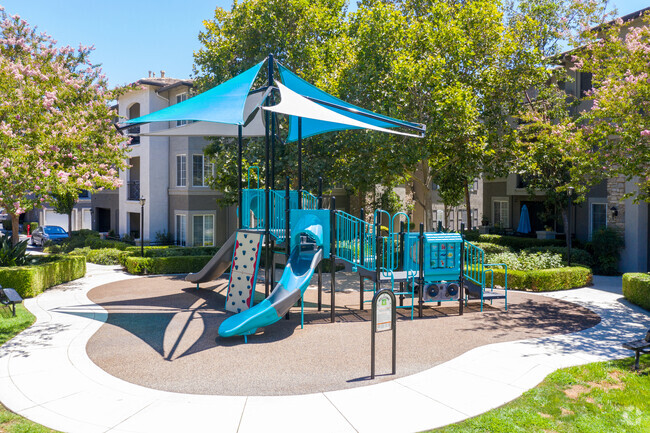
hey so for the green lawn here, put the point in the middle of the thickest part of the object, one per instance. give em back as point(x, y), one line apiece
point(9, 327)
point(594, 398)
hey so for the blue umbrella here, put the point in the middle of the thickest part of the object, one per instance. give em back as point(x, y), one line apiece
point(524, 221)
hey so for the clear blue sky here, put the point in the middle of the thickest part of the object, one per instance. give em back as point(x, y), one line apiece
point(133, 37)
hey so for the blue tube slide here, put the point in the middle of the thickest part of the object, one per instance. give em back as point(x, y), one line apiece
point(292, 285)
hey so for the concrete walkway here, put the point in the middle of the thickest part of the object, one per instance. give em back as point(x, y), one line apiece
point(46, 376)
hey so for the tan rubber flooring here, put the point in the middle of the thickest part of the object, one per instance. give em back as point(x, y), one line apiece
point(162, 333)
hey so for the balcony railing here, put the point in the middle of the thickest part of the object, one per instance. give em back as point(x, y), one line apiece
point(133, 190)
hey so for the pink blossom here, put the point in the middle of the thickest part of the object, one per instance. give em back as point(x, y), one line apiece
point(645, 133)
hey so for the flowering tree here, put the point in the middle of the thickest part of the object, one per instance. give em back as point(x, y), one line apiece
point(617, 128)
point(56, 127)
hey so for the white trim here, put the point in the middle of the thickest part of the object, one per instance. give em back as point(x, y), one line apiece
point(595, 201)
point(178, 178)
point(183, 97)
point(203, 214)
point(184, 229)
point(505, 200)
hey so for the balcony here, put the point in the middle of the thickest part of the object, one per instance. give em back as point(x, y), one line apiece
point(133, 190)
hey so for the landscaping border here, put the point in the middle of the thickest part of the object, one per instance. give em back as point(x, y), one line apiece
point(165, 265)
point(545, 280)
point(30, 281)
point(636, 289)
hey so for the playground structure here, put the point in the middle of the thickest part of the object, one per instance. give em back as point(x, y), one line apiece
point(292, 224)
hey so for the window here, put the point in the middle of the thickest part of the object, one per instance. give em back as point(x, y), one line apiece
point(501, 213)
point(585, 82)
point(474, 187)
point(180, 98)
point(461, 218)
point(203, 230)
point(181, 170)
point(440, 217)
point(450, 222)
point(84, 194)
point(598, 218)
point(474, 218)
point(201, 170)
point(181, 224)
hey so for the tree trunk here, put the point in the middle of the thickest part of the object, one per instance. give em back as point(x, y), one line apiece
point(69, 222)
point(15, 235)
point(468, 206)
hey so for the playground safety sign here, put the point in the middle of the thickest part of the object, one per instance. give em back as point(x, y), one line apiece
point(384, 318)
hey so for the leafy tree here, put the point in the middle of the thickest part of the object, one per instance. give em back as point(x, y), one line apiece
point(63, 203)
point(617, 127)
point(56, 127)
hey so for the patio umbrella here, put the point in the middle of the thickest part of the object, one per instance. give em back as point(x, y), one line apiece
point(524, 221)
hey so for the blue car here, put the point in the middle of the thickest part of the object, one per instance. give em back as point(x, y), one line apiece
point(48, 233)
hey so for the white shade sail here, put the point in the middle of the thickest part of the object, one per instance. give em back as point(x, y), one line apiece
point(254, 128)
point(294, 104)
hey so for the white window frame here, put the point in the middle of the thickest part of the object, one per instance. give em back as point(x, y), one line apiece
point(501, 201)
point(205, 167)
point(203, 230)
point(592, 203)
point(181, 170)
point(180, 226)
point(181, 97)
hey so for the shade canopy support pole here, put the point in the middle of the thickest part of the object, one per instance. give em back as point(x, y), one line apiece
point(300, 163)
point(267, 192)
point(240, 135)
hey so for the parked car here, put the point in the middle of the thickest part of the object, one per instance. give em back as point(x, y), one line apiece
point(48, 233)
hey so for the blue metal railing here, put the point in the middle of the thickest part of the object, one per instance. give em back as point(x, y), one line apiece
point(355, 241)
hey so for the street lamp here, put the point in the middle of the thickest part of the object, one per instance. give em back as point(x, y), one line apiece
point(569, 192)
point(142, 201)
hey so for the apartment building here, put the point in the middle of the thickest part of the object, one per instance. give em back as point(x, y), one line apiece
point(170, 174)
point(604, 205)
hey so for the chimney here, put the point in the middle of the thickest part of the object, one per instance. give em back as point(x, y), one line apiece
point(162, 74)
point(149, 74)
point(153, 75)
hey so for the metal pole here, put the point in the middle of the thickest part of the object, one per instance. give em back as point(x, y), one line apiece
point(362, 237)
point(240, 135)
point(461, 277)
point(320, 264)
point(272, 100)
point(267, 192)
point(333, 259)
point(421, 263)
point(300, 163)
point(378, 258)
point(287, 228)
point(141, 227)
point(568, 230)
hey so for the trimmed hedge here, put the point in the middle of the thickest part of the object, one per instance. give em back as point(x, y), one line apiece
point(173, 251)
point(636, 289)
point(165, 265)
point(492, 248)
point(545, 280)
point(29, 281)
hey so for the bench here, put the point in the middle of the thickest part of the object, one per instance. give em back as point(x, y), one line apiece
point(9, 297)
point(639, 347)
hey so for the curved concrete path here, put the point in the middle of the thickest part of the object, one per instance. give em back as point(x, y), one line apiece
point(46, 376)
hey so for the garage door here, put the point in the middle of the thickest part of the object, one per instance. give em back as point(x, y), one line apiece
point(56, 219)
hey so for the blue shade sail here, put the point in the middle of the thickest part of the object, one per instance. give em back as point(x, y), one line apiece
point(222, 104)
point(312, 127)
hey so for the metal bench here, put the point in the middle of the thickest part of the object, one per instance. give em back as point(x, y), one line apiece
point(639, 347)
point(9, 298)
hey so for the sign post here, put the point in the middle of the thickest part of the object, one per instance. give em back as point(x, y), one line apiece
point(384, 318)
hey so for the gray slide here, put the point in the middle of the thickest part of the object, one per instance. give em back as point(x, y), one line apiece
point(219, 264)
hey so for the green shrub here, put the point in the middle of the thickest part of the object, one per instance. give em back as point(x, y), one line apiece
point(32, 226)
point(578, 256)
point(492, 248)
point(166, 265)
point(518, 243)
point(29, 281)
point(80, 252)
point(173, 251)
point(13, 255)
point(81, 239)
point(636, 289)
point(545, 280)
point(526, 262)
point(605, 248)
point(105, 256)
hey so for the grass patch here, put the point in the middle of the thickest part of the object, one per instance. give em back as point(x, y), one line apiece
point(593, 398)
point(10, 327)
